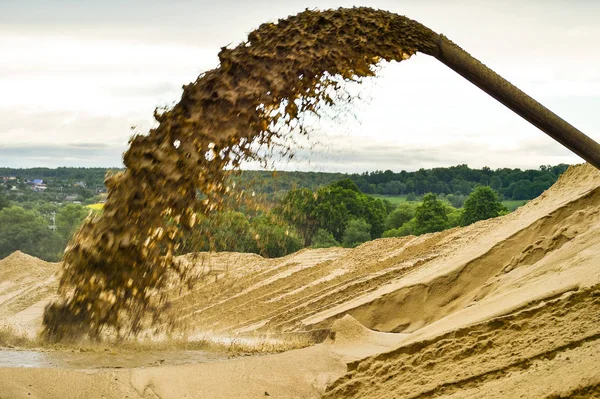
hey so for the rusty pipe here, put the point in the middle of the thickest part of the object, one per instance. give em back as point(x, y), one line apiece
point(502, 90)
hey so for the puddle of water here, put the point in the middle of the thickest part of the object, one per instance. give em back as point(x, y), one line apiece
point(26, 358)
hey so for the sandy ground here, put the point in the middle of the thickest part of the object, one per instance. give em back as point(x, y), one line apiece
point(503, 308)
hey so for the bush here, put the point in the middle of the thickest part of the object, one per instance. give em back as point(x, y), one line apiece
point(274, 239)
point(356, 233)
point(406, 229)
point(455, 216)
point(411, 197)
point(324, 239)
point(402, 214)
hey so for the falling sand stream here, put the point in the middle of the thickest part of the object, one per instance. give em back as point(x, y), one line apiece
point(118, 265)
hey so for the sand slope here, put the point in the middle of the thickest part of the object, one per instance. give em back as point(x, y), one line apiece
point(503, 308)
point(405, 284)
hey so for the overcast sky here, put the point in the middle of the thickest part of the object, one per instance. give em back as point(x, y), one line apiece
point(75, 76)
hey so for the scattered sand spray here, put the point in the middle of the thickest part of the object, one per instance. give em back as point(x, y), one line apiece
point(10, 337)
point(118, 264)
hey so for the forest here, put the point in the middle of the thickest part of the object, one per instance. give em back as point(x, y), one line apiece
point(41, 208)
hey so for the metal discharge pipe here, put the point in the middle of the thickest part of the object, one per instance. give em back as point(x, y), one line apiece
point(493, 84)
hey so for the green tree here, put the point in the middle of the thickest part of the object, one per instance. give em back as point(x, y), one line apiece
point(298, 208)
point(389, 207)
point(274, 239)
point(221, 231)
point(356, 233)
point(456, 200)
point(83, 192)
point(407, 229)
point(481, 204)
point(4, 202)
point(338, 203)
point(324, 239)
point(454, 216)
point(27, 231)
point(68, 220)
point(346, 184)
point(402, 214)
point(266, 235)
point(334, 208)
point(374, 213)
point(46, 208)
point(430, 215)
point(232, 233)
point(496, 183)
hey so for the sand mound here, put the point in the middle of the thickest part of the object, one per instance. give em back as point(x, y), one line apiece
point(27, 284)
point(503, 308)
point(18, 265)
point(348, 331)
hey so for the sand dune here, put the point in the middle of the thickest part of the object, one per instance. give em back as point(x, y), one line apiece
point(503, 308)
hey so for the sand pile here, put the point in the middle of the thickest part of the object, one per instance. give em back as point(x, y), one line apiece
point(504, 308)
point(19, 267)
point(27, 284)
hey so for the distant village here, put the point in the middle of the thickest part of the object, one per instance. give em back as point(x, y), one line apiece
point(52, 189)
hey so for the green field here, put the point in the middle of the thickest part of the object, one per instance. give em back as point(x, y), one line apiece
point(394, 199)
point(511, 205)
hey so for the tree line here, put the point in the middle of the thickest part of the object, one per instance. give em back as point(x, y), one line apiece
point(338, 214)
point(455, 181)
point(324, 214)
point(515, 184)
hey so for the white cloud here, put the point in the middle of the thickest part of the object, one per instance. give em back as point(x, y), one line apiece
point(90, 85)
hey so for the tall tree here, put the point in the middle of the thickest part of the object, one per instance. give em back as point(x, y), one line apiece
point(431, 215)
point(482, 203)
point(356, 233)
point(298, 208)
point(331, 208)
point(272, 238)
point(324, 239)
point(402, 214)
point(496, 183)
